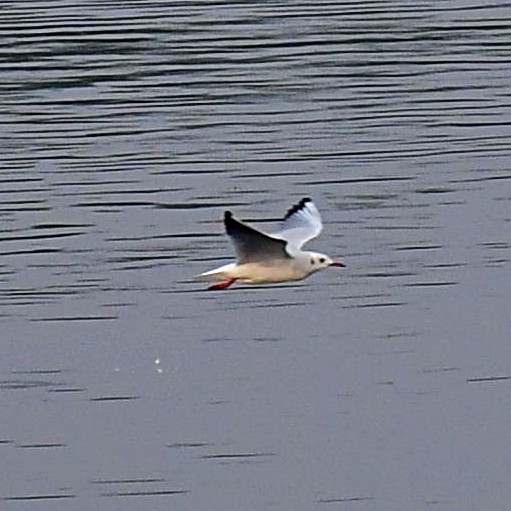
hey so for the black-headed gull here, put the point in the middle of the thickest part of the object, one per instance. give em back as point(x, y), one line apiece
point(277, 257)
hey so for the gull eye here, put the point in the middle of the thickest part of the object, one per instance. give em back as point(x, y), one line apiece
point(321, 259)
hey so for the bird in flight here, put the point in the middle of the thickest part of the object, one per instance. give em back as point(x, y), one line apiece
point(277, 257)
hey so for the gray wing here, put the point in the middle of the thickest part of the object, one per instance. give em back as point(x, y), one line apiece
point(301, 223)
point(252, 245)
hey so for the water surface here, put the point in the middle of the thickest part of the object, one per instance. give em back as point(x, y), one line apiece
point(127, 129)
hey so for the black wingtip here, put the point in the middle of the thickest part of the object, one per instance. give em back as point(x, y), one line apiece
point(297, 207)
point(228, 222)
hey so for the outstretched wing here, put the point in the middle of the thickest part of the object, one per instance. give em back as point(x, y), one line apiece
point(301, 223)
point(252, 245)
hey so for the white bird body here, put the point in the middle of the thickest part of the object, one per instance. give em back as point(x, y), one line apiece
point(266, 273)
point(270, 258)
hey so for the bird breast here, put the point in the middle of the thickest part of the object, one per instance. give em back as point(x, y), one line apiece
point(260, 273)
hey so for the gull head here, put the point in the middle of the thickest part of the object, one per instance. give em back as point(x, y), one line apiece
point(316, 261)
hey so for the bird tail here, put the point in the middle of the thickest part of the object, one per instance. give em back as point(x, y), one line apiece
point(218, 274)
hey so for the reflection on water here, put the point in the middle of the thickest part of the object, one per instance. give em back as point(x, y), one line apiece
point(125, 132)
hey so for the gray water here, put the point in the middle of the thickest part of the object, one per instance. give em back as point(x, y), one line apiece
point(127, 128)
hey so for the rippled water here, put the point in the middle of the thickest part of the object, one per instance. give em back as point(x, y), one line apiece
point(127, 128)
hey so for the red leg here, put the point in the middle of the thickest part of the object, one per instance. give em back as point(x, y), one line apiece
point(222, 285)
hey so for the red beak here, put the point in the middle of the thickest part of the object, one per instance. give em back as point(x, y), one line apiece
point(338, 264)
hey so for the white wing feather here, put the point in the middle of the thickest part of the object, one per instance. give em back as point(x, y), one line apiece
point(301, 224)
